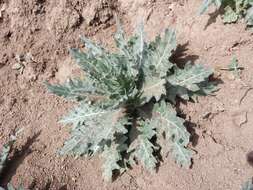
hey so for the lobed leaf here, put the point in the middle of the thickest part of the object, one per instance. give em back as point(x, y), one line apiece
point(230, 15)
point(112, 156)
point(163, 48)
point(5, 153)
point(181, 154)
point(248, 185)
point(154, 87)
point(207, 3)
point(10, 187)
point(249, 16)
point(158, 65)
point(93, 49)
point(176, 135)
point(85, 138)
point(141, 148)
point(75, 89)
point(190, 76)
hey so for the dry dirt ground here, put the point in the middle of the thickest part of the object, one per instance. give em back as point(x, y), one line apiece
point(36, 34)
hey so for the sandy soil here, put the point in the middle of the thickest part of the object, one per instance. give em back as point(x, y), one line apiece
point(36, 34)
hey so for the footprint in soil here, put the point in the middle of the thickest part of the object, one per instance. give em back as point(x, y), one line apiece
point(250, 158)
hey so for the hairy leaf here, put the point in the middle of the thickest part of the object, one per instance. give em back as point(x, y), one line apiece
point(112, 156)
point(141, 148)
point(10, 187)
point(4, 153)
point(110, 74)
point(93, 49)
point(158, 65)
point(154, 87)
point(75, 89)
point(190, 76)
point(234, 66)
point(85, 138)
point(163, 48)
point(139, 46)
point(230, 15)
point(176, 135)
point(120, 39)
point(248, 185)
point(249, 16)
point(207, 3)
point(205, 88)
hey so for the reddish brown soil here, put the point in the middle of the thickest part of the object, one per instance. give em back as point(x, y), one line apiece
point(44, 30)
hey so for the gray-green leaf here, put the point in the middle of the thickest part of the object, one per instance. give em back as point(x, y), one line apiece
point(112, 156)
point(5, 153)
point(234, 66)
point(141, 148)
point(248, 185)
point(176, 135)
point(230, 15)
point(249, 16)
point(207, 3)
point(74, 89)
point(190, 76)
point(154, 87)
point(93, 127)
point(163, 48)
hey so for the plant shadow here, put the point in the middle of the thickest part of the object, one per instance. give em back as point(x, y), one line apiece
point(250, 158)
point(213, 17)
point(190, 126)
point(16, 160)
point(194, 138)
point(181, 57)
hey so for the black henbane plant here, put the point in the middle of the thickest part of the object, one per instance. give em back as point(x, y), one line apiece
point(124, 109)
point(233, 9)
